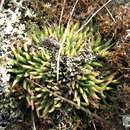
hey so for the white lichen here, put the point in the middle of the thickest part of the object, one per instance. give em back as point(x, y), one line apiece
point(11, 29)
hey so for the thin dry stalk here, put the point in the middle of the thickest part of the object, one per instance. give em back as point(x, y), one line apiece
point(33, 121)
point(110, 14)
point(1, 4)
point(64, 38)
point(61, 97)
point(62, 11)
point(94, 126)
point(93, 115)
point(93, 15)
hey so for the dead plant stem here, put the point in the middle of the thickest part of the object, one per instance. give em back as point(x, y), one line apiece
point(62, 11)
point(93, 15)
point(64, 38)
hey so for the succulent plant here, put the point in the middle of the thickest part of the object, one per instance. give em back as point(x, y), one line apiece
point(75, 42)
point(33, 71)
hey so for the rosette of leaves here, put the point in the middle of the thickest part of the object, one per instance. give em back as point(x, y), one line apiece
point(29, 67)
point(34, 71)
point(74, 42)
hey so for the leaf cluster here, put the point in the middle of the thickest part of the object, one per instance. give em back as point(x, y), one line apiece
point(33, 70)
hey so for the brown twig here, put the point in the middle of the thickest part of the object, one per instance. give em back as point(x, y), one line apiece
point(33, 121)
point(59, 96)
point(92, 115)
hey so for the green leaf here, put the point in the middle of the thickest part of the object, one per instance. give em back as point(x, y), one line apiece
point(85, 98)
point(25, 84)
point(17, 79)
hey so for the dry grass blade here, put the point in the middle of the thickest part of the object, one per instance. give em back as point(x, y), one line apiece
point(110, 14)
point(61, 15)
point(33, 121)
point(93, 15)
point(64, 38)
point(1, 4)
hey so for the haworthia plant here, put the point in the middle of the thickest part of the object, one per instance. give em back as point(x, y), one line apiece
point(33, 70)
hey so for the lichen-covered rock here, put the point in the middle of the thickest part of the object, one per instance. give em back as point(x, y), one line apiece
point(11, 28)
point(9, 111)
